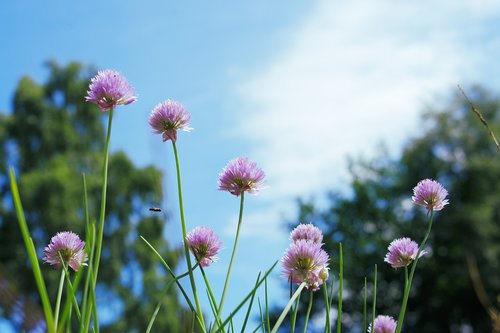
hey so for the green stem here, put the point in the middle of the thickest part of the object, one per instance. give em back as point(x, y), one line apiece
point(311, 294)
point(374, 298)
point(406, 295)
point(364, 307)
point(226, 283)
point(184, 238)
point(212, 297)
point(287, 307)
point(30, 249)
point(341, 280)
point(58, 300)
point(327, 308)
point(293, 315)
point(103, 201)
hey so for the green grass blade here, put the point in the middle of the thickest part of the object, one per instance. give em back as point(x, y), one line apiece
point(249, 306)
point(30, 248)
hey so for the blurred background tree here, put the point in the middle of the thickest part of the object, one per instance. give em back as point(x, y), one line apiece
point(51, 137)
point(454, 148)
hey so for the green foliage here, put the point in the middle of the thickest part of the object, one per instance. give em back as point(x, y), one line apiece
point(51, 137)
point(454, 148)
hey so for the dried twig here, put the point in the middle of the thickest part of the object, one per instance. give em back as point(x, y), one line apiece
point(480, 116)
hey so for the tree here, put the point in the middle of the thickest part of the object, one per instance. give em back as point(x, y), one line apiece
point(51, 137)
point(455, 149)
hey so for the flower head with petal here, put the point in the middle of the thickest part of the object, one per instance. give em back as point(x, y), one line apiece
point(108, 89)
point(308, 232)
point(430, 194)
point(240, 175)
point(204, 245)
point(402, 252)
point(305, 261)
point(383, 324)
point(169, 117)
point(68, 247)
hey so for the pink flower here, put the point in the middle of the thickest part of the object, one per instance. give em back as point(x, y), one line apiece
point(68, 247)
point(430, 194)
point(402, 252)
point(204, 244)
point(383, 324)
point(108, 89)
point(241, 175)
point(305, 261)
point(308, 232)
point(169, 117)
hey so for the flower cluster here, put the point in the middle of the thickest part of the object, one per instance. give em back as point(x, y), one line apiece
point(65, 247)
point(383, 324)
point(305, 260)
point(430, 194)
point(240, 175)
point(169, 117)
point(204, 245)
point(402, 252)
point(108, 89)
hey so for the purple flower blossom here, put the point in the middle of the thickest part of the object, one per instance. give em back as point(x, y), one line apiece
point(308, 232)
point(383, 324)
point(305, 261)
point(169, 117)
point(68, 246)
point(402, 252)
point(241, 175)
point(108, 89)
point(430, 194)
point(204, 244)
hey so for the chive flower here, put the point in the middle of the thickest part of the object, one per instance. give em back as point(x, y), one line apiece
point(167, 118)
point(305, 261)
point(430, 194)
point(68, 247)
point(383, 324)
point(241, 175)
point(402, 252)
point(108, 89)
point(204, 245)
point(308, 232)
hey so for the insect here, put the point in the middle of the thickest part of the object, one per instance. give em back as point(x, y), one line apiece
point(155, 209)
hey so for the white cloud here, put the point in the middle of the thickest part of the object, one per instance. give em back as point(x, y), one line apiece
point(355, 73)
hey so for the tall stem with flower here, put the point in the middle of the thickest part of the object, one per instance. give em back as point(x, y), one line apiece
point(239, 176)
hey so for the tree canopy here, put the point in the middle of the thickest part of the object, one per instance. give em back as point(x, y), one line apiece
point(454, 148)
point(51, 137)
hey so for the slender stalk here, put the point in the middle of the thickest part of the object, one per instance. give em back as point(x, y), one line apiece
point(226, 283)
point(58, 300)
point(268, 322)
point(103, 199)
point(249, 307)
point(100, 233)
point(364, 307)
point(184, 239)
point(30, 248)
point(341, 280)
point(293, 315)
point(287, 307)
point(311, 294)
point(374, 297)
point(211, 295)
point(327, 308)
point(406, 295)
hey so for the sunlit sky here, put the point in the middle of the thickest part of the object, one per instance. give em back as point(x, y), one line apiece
point(296, 86)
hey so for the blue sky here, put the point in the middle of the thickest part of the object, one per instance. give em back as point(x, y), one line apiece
point(297, 86)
